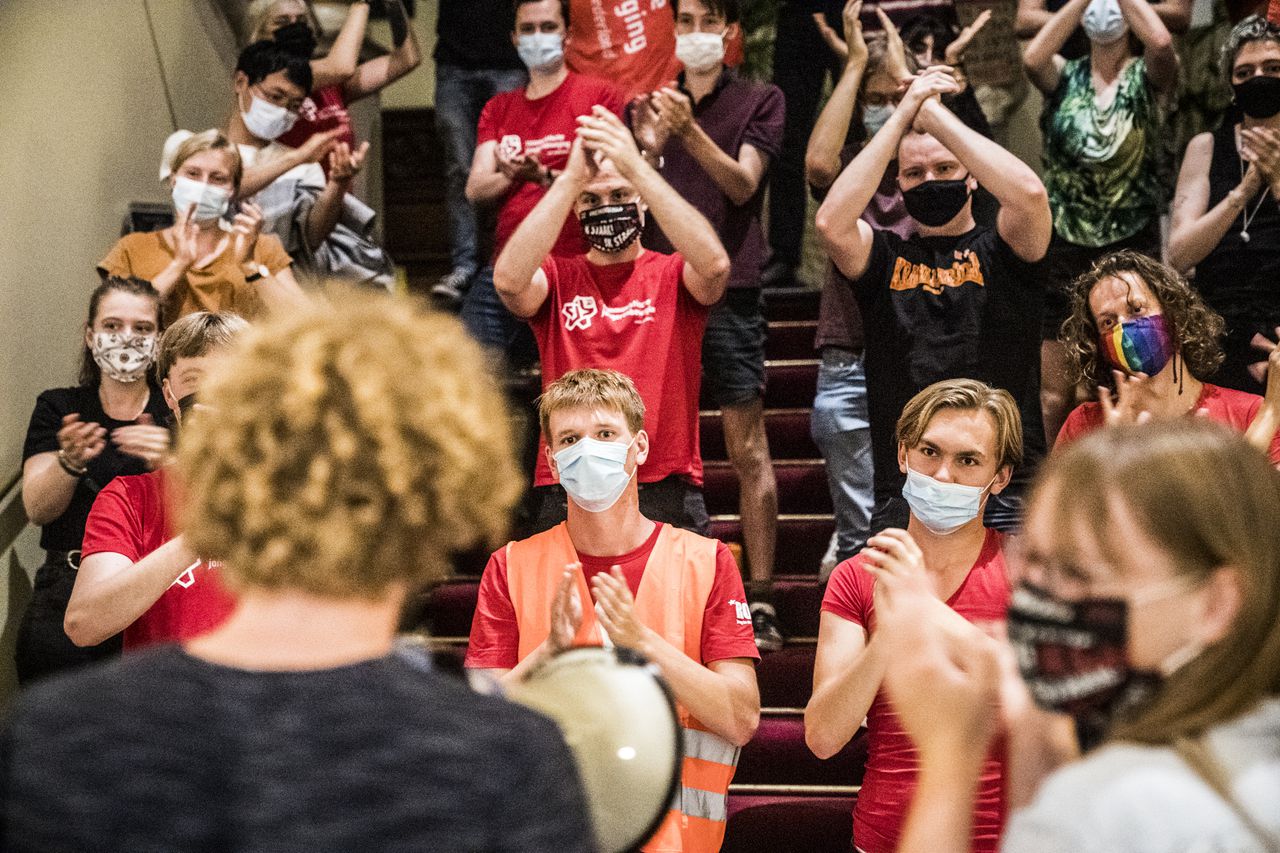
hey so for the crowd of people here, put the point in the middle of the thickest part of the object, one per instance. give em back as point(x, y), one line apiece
point(1050, 429)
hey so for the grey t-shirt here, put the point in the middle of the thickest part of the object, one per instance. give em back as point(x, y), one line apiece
point(1148, 800)
point(164, 751)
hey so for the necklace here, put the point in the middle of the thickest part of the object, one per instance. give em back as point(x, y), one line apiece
point(1244, 213)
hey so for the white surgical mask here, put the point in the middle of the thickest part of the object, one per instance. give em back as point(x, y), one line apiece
point(540, 51)
point(700, 52)
point(125, 358)
point(265, 120)
point(942, 507)
point(1103, 22)
point(874, 117)
point(211, 202)
point(594, 473)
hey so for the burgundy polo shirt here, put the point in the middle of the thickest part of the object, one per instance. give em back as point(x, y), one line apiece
point(736, 112)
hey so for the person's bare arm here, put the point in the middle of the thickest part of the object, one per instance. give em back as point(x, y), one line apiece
point(336, 66)
point(111, 591)
point(1262, 429)
point(1197, 229)
point(47, 487)
point(706, 268)
point(822, 156)
point(1031, 18)
point(1025, 221)
point(1042, 58)
point(738, 178)
point(722, 695)
point(380, 72)
point(847, 674)
point(344, 165)
point(1160, 57)
point(258, 177)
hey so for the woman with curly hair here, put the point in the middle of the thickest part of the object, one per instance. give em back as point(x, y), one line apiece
point(1137, 326)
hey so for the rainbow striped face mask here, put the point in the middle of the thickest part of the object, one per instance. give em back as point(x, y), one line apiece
point(1139, 345)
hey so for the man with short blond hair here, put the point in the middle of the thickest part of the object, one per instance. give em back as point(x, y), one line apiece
point(610, 575)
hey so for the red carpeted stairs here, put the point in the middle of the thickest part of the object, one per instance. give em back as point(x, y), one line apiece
point(783, 799)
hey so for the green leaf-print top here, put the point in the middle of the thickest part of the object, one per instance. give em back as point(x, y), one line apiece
point(1102, 167)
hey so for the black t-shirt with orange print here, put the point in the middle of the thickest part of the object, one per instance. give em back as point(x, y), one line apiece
point(937, 308)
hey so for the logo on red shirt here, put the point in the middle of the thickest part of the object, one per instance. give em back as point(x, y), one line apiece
point(579, 313)
point(642, 311)
point(187, 579)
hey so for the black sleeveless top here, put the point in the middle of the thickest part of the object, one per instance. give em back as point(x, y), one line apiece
point(1239, 279)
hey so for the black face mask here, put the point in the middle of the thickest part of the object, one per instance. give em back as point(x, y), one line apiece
point(1259, 97)
point(611, 228)
point(296, 39)
point(186, 404)
point(1074, 657)
point(935, 203)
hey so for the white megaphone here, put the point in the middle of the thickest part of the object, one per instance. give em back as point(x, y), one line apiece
point(619, 720)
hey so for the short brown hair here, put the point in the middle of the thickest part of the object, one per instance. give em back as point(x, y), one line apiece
point(353, 447)
point(195, 335)
point(966, 395)
point(1204, 497)
point(589, 388)
point(1194, 328)
point(208, 140)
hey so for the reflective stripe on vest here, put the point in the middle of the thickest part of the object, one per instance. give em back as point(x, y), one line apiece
point(671, 600)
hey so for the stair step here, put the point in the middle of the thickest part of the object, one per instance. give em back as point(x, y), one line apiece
point(802, 487)
point(790, 339)
point(790, 383)
point(791, 303)
point(787, 429)
point(778, 755)
point(789, 823)
point(786, 676)
point(802, 540)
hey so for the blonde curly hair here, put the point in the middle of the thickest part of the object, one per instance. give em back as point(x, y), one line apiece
point(346, 448)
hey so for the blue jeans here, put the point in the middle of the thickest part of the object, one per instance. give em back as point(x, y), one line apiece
point(840, 428)
point(461, 94)
point(496, 328)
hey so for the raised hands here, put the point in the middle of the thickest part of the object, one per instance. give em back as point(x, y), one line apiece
point(954, 53)
point(606, 136)
point(674, 108)
point(346, 162)
point(616, 609)
point(566, 611)
point(895, 53)
point(852, 48)
point(79, 443)
point(519, 168)
point(1260, 147)
point(897, 562)
point(186, 238)
point(930, 84)
point(245, 229)
point(318, 145)
point(647, 125)
point(1129, 404)
point(145, 440)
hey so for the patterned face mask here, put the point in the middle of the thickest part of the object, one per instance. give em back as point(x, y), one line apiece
point(125, 358)
point(1138, 345)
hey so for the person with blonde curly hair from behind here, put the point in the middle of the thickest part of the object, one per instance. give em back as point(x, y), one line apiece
point(336, 460)
point(1140, 334)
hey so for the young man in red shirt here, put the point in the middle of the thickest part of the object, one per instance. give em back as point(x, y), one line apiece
point(621, 305)
point(135, 575)
point(611, 575)
point(722, 132)
point(958, 443)
point(522, 142)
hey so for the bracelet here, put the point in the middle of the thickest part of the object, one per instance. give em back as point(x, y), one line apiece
point(68, 467)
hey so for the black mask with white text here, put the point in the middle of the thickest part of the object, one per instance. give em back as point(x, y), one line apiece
point(611, 227)
point(935, 203)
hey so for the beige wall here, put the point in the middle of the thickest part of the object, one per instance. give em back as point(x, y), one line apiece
point(85, 117)
point(418, 89)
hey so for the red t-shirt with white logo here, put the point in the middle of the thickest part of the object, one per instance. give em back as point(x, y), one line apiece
point(130, 517)
point(639, 319)
point(890, 780)
point(726, 620)
point(545, 127)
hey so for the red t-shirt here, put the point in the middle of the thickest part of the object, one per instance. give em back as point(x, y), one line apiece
point(324, 109)
point(1227, 406)
point(636, 318)
point(545, 127)
point(632, 43)
point(130, 517)
point(726, 621)
point(890, 780)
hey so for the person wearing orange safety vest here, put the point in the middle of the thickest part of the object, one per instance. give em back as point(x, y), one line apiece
point(610, 576)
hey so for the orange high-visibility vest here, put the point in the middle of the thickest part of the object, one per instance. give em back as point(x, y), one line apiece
point(671, 599)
